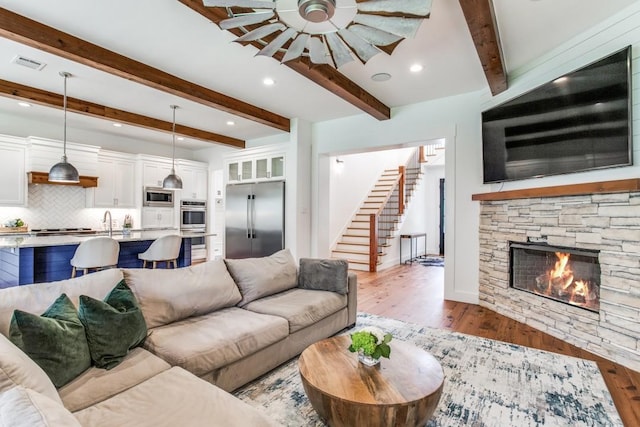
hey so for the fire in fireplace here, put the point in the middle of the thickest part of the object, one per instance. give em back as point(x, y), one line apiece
point(567, 275)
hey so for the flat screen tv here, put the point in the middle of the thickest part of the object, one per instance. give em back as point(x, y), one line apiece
point(577, 122)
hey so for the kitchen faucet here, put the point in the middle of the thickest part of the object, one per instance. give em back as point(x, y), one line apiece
point(104, 218)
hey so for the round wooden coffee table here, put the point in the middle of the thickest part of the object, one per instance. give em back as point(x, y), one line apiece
point(401, 391)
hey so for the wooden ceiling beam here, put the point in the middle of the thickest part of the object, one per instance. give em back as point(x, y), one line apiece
point(50, 99)
point(34, 34)
point(323, 75)
point(484, 31)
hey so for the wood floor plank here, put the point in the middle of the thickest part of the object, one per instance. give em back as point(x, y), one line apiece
point(415, 293)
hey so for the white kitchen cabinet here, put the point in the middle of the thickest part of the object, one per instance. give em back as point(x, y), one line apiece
point(116, 188)
point(194, 181)
point(157, 217)
point(13, 174)
point(258, 168)
point(154, 172)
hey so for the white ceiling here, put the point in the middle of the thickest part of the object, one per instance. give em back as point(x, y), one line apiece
point(171, 37)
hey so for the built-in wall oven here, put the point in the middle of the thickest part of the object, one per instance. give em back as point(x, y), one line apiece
point(193, 219)
point(193, 214)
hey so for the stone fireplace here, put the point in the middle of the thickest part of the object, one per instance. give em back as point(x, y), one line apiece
point(602, 228)
point(568, 275)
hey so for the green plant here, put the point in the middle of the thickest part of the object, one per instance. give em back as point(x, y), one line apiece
point(14, 223)
point(372, 342)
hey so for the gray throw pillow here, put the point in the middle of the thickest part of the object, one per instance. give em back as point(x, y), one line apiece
point(261, 277)
point(324, 275)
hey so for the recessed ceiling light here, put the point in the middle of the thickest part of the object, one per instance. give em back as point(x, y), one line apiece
point(180, 138)
point(416, 68)
point(268, 81)
point(381, 77)
point(118, 125)
point(24, 104)
point(230, 123)
point(560, 80)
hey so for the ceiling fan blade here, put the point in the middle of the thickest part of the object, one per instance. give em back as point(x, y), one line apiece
point(404, 27)
point(277, 43)
point(317, 51)
point(296, 48)
point(251, 4)
point(243, 20)
point(340, 53)
point(373, 35)
point(412, 7)
point(360, 46)
point(261, 32)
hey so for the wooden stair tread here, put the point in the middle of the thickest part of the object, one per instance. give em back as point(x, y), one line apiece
point(353, 244)
point(342, 251)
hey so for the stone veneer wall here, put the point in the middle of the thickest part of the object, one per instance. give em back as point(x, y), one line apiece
point(607, 222)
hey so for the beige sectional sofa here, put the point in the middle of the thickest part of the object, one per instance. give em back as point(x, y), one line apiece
point(211, 328)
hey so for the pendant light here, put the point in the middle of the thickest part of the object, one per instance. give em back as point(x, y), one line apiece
point(64, 171)
point(173, 181)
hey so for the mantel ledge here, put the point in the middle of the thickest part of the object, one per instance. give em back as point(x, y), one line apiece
point(603, 187)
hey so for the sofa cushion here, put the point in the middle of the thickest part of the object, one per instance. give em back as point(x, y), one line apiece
point(22, 407)
point(95, 385)
point(324, 275)
point(113, 326)
point(301, 307)
point(56, 340)
point(166, 296)
point(16, 368)
point(173, 398)
point(260, 277)
point(37, 297)
point(204, 343)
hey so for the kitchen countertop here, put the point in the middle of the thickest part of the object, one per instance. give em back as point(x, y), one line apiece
point(26, 240)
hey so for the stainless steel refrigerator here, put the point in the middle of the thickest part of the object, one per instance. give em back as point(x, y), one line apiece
point(254, 219)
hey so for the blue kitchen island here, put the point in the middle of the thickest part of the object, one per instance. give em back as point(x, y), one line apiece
point(26, 259)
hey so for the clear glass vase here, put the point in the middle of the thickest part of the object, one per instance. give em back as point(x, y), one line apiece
point(366, 359)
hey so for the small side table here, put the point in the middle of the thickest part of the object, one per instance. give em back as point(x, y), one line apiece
point(413, 237)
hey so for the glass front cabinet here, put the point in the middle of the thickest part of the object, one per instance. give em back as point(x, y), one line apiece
point(261, 168)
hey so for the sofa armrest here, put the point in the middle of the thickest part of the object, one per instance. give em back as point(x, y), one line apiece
point(352, 298)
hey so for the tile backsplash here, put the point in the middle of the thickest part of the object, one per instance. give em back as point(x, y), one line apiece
point(60, 206)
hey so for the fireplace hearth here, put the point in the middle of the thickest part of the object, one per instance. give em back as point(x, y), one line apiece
point(568, 275)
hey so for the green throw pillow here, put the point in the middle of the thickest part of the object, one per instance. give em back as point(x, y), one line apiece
point(55, 340)
point(113, 326)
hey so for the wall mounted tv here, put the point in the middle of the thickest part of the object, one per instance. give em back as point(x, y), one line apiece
point(577, 122)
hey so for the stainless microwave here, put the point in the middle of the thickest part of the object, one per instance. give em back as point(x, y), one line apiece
point(158, 197)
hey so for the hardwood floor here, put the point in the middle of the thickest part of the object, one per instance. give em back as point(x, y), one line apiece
point(415, 293)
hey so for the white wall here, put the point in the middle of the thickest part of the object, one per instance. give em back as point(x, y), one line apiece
point(457, 120)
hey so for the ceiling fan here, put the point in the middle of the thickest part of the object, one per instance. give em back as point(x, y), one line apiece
point(326, 31)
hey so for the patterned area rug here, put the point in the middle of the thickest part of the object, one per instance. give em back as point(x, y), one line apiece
point(487, 383)
point(432, 261)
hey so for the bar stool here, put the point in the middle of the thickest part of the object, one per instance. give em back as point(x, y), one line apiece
point(165, 248)
point(97, 253)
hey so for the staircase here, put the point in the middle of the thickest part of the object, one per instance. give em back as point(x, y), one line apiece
point(377, 220)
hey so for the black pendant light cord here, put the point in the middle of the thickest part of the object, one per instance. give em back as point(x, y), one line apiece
point(173, 131)
point(64, 108)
